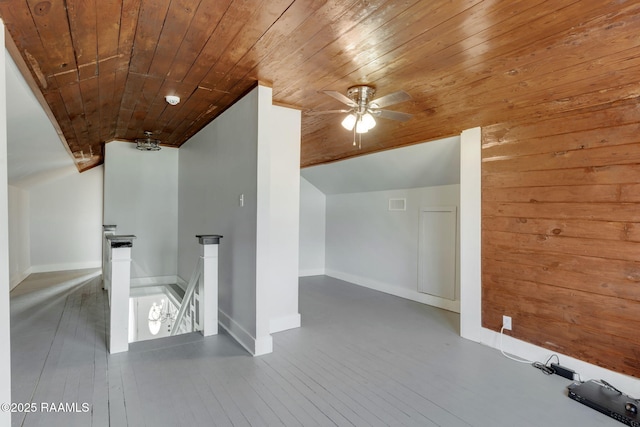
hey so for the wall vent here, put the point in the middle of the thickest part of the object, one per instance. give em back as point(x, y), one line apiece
point(397, 204)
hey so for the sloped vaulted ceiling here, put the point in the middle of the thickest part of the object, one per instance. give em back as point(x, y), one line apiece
point(104, 67)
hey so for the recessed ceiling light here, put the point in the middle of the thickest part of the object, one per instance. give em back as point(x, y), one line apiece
point(172, 99)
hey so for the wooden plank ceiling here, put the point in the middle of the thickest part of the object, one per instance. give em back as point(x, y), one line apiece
point(104, 67)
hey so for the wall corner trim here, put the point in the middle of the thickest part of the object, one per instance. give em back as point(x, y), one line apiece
point(17, 278)
point(255, 346)
point(311, 272)
point(284, 323)
point(470, 234)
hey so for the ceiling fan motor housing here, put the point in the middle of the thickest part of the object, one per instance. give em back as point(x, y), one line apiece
point(361, 95)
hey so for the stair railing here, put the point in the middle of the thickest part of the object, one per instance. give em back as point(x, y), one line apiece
point(187, 299)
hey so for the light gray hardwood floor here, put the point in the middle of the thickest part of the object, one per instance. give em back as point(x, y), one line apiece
point(360, 358)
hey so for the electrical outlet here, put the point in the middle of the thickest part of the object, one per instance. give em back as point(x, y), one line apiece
point(506, 323)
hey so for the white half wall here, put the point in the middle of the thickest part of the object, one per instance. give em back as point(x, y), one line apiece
point(313, 206)
point(65, 222)
point(218, 195)
point(471, 281)
point(369, 245)
point(19, 241)
point(141, 198)
point(239, 178)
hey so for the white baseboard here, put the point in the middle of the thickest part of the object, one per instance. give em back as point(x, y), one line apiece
point(311, 272)
point(257, 347)
point(263, 346)
point(396, 291)
point(16, 279)
point(284, 323)
point(151, 281)
point(525, 350)
point(64, 267)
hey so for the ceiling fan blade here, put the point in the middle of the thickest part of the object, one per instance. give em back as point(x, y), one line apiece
point(392, 98)
point(340, 97)
point(317, 113)
point(392, 115)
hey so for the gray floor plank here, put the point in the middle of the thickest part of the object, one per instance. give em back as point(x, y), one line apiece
point(385, 390)
point(217, 414)
point(117, 409)
point(361, 358)
point(347, 400)
point(399, 378)
point(299, 405)
point(323, 404)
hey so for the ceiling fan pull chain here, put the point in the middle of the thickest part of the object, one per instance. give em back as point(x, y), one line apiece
point(359, 121)
point(354, 135)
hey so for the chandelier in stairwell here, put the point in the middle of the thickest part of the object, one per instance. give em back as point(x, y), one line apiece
point(159, 314)
point(148, 143)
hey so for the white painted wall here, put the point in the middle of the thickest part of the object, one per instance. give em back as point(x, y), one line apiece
point(313, 205)
point(65, 217)
point(19, 241)
point(282, 126)
point(5, 330)
point(218, 165)
point(34, 146)
point(141, 198)
point(369, 245)
point(249, 151)
point(429, 164)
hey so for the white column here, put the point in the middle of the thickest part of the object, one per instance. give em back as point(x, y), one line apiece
point(5, 330)
point(208, 284)
point(470, 234)
point(107, 230)
point(120, 262)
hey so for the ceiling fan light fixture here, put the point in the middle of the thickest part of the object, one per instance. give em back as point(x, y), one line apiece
point(349, 122)
point(361, 127)
point(369, 121)
point(365, 123)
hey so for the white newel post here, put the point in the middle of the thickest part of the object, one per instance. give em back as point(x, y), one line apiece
point(107, 230)
point(208, 283)
point(120, 266)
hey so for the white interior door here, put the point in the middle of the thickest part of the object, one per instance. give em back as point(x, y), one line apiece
point(437, 252)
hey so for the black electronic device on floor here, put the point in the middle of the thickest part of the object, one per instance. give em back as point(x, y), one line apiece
point(608, 400)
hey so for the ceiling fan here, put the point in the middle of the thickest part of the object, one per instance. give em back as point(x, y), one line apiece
point(363, 109)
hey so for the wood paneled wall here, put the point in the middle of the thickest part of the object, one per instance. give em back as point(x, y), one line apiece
point(561, 232)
